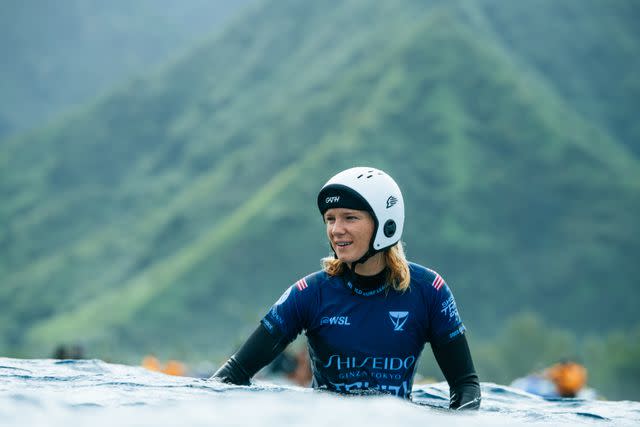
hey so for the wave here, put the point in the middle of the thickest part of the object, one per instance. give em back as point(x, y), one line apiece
point(61, 393)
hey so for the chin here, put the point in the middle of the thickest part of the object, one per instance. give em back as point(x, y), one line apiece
point(348, 259)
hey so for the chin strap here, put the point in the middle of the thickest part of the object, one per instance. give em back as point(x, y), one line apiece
point(362, 260)
point(370, 252)
point(352, 268)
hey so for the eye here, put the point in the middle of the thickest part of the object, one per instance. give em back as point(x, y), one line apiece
point(329, 219)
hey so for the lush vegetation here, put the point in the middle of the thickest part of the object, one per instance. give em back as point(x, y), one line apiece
point(167, 216)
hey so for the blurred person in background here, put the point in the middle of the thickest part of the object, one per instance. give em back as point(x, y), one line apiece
point(294, 366)
point(565, 379)
point(68, 351)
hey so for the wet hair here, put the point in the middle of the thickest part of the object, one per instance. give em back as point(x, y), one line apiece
point(396, 261)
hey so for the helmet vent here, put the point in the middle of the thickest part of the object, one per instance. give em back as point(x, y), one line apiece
point(389, 228)
point(360, 176)
point(369, 176)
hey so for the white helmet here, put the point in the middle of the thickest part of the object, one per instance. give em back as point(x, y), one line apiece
point(372, 190)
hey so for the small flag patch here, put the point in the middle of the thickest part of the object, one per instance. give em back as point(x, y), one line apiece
point(438, 282)
point(301, 284)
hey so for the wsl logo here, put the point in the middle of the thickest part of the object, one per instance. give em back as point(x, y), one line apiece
point(398, 318)
point(391, 201)
point(335, 320)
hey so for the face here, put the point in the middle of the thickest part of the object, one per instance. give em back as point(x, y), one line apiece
point(349, 232)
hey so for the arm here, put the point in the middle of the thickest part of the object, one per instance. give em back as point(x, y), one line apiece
point(454, 359)
point(284, 321)
point(257, 352)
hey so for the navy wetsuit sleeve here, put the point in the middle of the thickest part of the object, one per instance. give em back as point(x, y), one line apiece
point(454, 359)
point(445, 323)
point(257, 352)
point(284, 321)
point(289, 315)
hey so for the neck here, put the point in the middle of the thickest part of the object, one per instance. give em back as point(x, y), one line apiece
point(372, 266)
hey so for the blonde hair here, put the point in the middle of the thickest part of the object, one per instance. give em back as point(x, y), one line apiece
point(396, 261)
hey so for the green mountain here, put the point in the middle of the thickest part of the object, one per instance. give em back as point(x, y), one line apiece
point(60, 56)
point(167, 216)
point(587, 52)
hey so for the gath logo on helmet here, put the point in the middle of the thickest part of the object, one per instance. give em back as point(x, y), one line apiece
point(370, 189)
point(332, 199)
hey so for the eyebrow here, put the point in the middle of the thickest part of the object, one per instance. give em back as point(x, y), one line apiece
point(345, 212)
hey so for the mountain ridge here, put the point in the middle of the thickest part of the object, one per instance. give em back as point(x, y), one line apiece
point(160, 220)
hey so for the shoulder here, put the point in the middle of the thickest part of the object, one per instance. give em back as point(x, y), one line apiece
point(312, 283)
point(312, 280)
point(424, 277)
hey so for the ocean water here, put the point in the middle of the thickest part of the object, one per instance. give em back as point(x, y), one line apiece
point(96, 393)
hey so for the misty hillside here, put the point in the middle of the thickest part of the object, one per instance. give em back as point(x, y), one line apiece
point(168, 215)
point(588, 52)
point(59, 56)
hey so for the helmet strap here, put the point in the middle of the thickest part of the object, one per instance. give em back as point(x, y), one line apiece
point(370, 252)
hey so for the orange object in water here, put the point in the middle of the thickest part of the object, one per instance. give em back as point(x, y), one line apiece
point(151, 363)
point(569, 378)
point(173, 367)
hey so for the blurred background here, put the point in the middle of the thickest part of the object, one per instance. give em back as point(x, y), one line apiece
point(160, 161)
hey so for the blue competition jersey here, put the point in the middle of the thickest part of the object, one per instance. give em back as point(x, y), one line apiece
point(366, 340)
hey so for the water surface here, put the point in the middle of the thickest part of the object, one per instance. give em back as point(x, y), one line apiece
point(96, 393)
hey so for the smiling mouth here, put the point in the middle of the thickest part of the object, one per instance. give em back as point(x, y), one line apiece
point(343, 244)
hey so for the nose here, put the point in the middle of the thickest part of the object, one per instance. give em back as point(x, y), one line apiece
point(337, 228)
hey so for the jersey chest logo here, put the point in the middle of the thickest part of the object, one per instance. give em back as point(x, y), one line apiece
point(335, 320)
point(398, 319)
